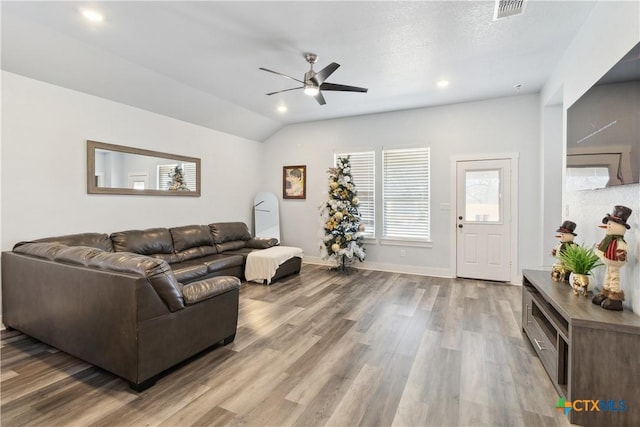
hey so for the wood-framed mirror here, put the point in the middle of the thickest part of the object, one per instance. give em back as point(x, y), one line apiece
point(117, 169)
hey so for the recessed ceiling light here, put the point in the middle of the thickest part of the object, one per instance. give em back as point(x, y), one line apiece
point(282, 108)
point(92, 15)
point(443, 83)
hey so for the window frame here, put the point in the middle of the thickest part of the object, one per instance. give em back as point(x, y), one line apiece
point(378, 236)
point(370, 225)
point(406, 239)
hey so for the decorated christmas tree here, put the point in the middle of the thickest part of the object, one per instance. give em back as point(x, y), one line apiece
point(178, 183)
point(342, 231)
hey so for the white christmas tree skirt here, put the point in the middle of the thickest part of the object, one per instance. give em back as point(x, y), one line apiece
point(262, 265)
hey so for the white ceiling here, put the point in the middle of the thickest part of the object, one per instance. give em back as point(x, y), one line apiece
point(198, 61)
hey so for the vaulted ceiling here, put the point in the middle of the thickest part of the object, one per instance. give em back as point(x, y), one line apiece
point(198, 61)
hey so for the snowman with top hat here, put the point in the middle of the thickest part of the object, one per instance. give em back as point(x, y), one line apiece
point(559, 271)
point(612, 250)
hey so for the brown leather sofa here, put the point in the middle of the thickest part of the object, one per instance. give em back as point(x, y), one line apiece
point(136, 302)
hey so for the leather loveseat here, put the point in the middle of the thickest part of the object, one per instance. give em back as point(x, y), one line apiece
point(136, 302)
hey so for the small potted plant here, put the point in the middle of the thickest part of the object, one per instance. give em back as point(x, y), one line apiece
point(581, 261)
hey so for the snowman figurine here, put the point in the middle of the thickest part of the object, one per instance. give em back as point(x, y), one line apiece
point(612, 250)
point(559, 271)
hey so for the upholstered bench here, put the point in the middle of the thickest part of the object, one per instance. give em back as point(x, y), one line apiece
point(268, 265)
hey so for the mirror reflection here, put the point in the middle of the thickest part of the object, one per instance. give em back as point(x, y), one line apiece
point(266, 215)
point(603, 130)
point(115, 169)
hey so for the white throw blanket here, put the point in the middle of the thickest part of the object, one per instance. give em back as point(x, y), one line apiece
point(262, 265)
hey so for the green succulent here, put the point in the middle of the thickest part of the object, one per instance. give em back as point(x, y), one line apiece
point(579, 259)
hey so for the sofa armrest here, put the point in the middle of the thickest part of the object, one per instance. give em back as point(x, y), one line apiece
point(261, 242)
point(209, 288)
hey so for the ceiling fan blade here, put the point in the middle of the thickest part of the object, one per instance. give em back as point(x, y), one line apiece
point(343, 88)
point(322, 75)
point(320, 98)
point(286, 90)
point(280, 74)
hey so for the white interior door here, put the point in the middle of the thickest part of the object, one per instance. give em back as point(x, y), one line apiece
point(483, 219)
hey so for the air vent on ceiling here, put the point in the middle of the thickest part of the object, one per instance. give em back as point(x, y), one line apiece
point(506, 8)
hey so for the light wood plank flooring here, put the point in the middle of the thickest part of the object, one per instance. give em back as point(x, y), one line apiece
point(321, 348)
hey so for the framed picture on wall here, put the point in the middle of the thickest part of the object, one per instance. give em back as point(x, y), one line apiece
point(294, 182)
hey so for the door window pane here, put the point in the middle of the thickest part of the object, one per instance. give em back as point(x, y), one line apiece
point(482, 198)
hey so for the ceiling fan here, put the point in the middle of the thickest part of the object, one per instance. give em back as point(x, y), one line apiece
point(314, 82)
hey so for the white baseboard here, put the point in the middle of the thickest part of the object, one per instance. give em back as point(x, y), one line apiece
point(391, 268)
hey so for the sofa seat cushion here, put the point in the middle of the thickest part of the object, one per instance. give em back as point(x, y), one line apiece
point(221, 262)
point(243, 251)
point(189, 271)
point(194, 269)
point(208, 288)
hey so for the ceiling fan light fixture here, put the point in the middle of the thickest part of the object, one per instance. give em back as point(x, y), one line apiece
point(313, 83)
point(311, 90)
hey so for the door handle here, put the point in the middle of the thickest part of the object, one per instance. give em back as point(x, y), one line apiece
point(460, 217)
point(460, 225)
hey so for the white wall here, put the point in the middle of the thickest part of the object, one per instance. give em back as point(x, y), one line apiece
point(551, 176)
point(44, 133)
point(611, 30)
point(504, 125)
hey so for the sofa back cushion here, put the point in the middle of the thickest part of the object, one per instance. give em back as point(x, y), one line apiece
point(157, 272)
point(44, 250)
point(144, 242)
point(94, 240)
point(228, 231)
point(192, 241)
point(235, 234)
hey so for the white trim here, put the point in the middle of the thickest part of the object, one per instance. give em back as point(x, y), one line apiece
point(513, 160)
point(391, 268)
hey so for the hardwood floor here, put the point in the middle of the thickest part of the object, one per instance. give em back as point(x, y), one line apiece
point(320, 348)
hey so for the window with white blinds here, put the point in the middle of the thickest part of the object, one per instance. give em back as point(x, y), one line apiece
point(405, 194)
point(363, 173)
point(166, 171)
